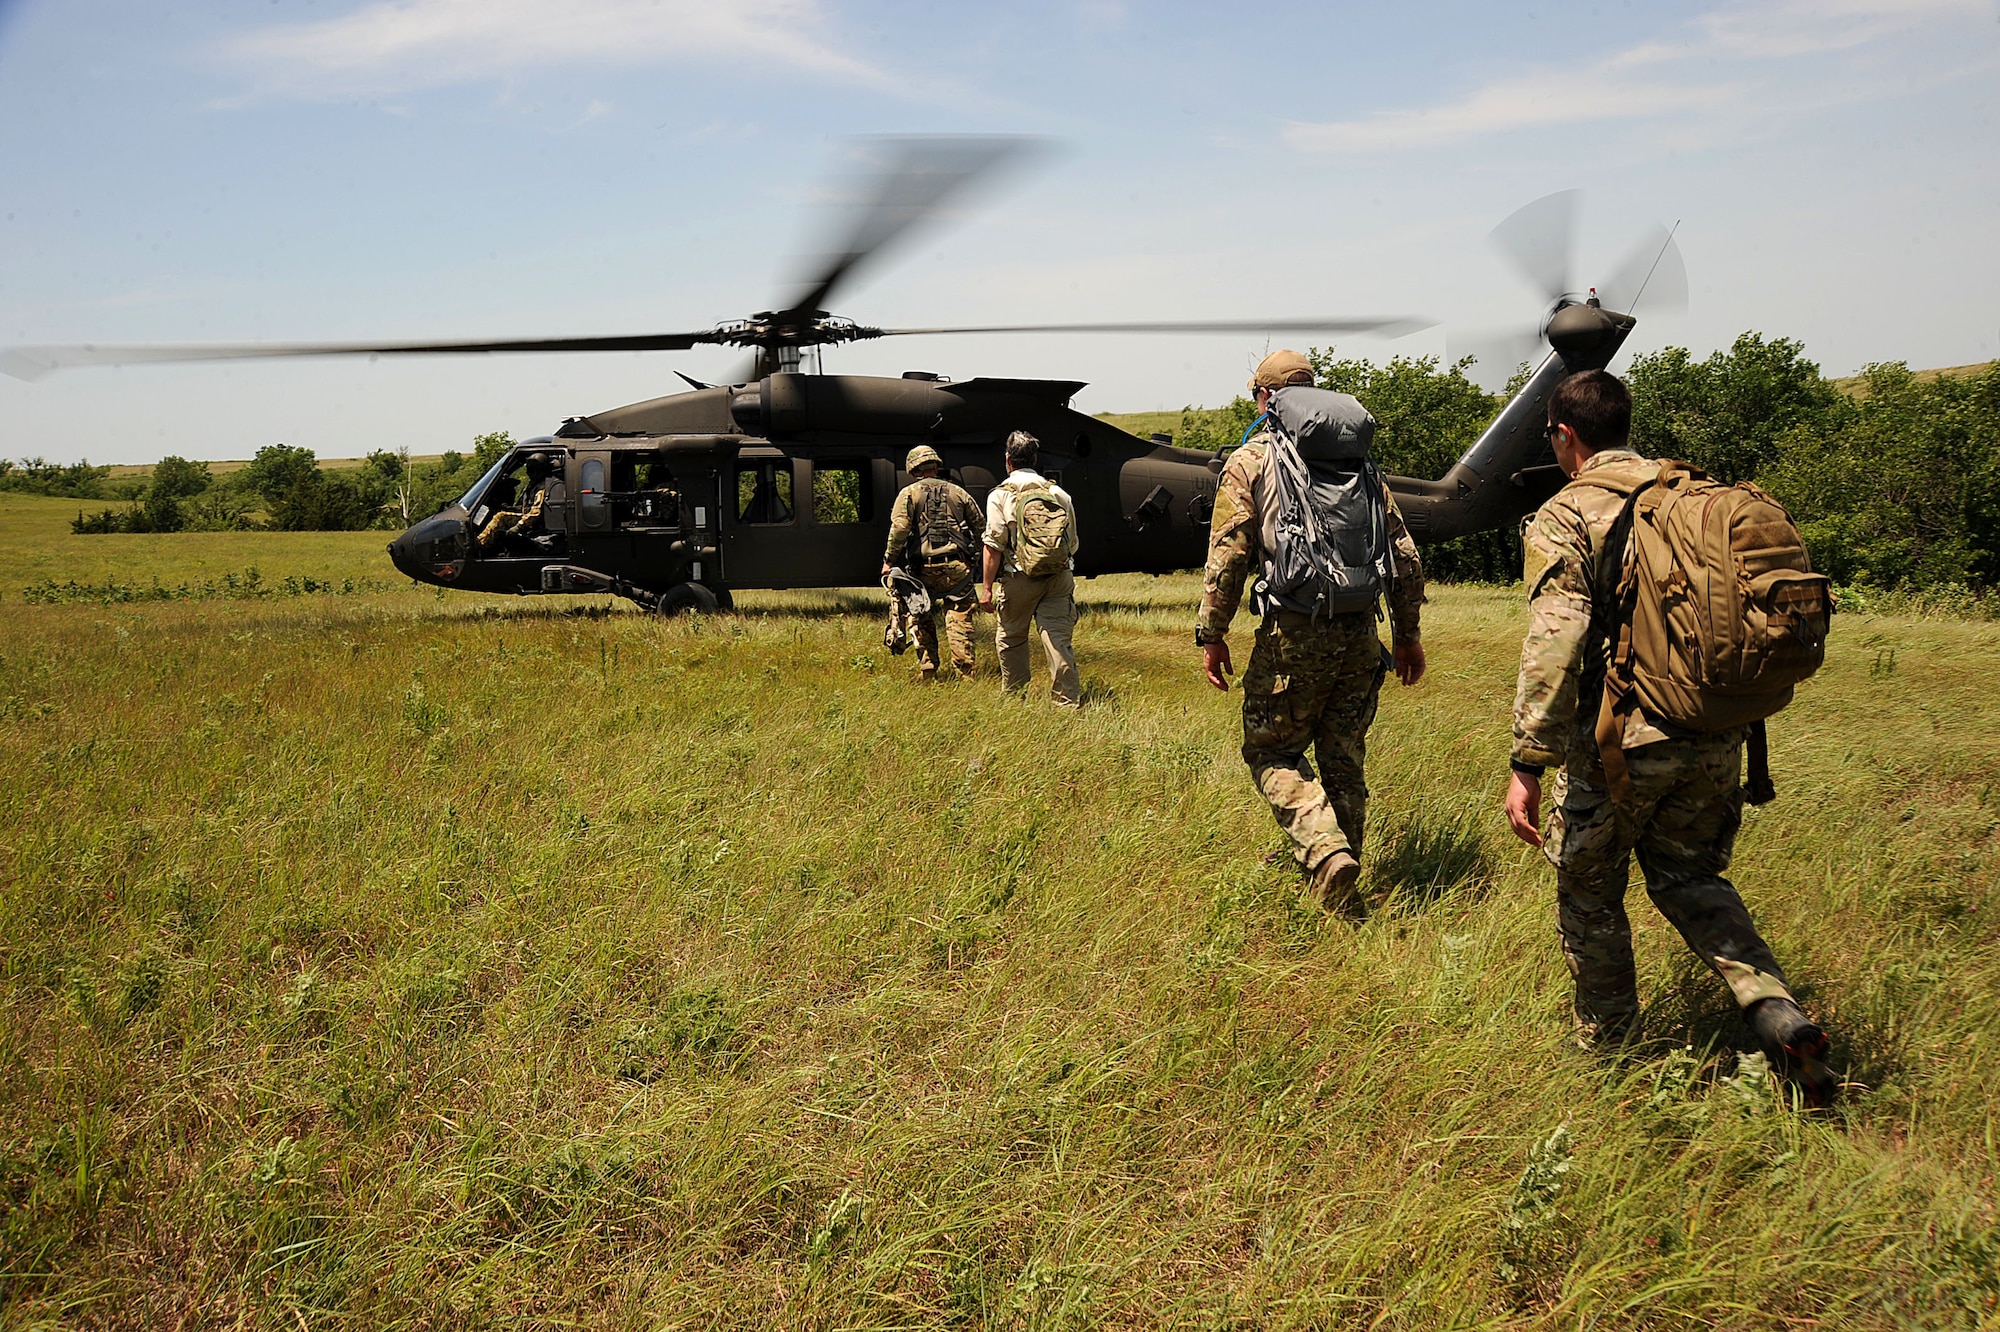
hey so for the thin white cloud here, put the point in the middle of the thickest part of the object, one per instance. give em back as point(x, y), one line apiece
point(1534, 102)
point(396, 46)
point(1717, 64)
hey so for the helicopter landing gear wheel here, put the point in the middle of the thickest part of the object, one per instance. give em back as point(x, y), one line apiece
point(724, 600)
point(686, 598)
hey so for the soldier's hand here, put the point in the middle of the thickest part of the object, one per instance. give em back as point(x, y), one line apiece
point(1410, 663)
point(885, 568)
point(986, 599)
point(1215, 661)
point(1524, 808)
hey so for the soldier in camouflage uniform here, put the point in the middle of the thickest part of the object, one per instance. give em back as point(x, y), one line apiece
point(1309, 685)
point(1688, 797)
point(525, 521)
point(934, 529)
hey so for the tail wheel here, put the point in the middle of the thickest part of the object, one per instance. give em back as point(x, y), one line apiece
point(686, 598)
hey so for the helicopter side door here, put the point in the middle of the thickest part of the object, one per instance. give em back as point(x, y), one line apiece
point(846, 511)
point(762, 540)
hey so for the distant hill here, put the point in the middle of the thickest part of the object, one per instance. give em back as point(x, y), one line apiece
point(1856, 386)
point(1143, 424)
point(124, 471)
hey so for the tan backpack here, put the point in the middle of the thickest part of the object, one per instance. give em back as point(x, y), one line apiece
point(1717, 613)
point(1041, 531)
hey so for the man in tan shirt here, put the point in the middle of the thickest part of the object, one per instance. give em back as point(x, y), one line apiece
point(1031, 544)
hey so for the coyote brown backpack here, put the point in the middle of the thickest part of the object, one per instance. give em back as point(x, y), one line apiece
point(943, 536)
point(1041, 531)
point(1717, 615)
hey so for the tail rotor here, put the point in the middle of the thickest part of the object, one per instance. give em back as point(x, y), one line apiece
point(1539, 241)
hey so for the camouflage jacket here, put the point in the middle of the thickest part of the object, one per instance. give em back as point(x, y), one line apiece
point(1236, 552)
point(906, 519)
point(1564, 656)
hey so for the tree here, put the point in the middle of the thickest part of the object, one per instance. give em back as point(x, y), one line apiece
point(1727, 414)
point(1426, 418)
point(1902, 488)
point(38, 476)
point(279, 470)
point(178, 478)
point(174, 481)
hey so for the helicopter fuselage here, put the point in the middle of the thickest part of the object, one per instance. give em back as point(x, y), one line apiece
point(787, 482)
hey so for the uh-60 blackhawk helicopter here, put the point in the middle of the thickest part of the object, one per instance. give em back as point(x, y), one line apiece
point(785, 479)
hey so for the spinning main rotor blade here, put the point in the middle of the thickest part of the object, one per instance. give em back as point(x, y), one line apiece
point(33, 362)
point(1394, 326)
point(1540, 238)
point(912, 179)
point(1496, 354)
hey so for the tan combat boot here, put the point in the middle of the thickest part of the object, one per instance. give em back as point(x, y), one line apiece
point(1331, 884)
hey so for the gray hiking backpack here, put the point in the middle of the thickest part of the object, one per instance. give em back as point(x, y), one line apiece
point(1326, 517)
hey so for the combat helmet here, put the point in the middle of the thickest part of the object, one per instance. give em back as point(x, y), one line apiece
point(921, 456)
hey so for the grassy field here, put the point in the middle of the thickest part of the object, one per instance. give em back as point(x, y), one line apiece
point(381, 958)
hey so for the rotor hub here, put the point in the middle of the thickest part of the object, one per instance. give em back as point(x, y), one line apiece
point(791, 328)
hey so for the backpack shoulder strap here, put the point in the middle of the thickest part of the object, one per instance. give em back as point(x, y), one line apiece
point(1614, 611)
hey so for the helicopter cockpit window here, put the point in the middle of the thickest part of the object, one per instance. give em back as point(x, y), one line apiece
point(838, 494)
point(471, 497)
point(764, 492)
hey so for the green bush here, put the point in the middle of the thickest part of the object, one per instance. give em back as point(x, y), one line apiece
point(37, 476)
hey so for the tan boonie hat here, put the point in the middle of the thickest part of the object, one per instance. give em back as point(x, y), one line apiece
point(1281, 368)
point(921, 456)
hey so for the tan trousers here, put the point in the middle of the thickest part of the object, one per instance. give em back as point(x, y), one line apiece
point(1051, 603)
point(952, 591)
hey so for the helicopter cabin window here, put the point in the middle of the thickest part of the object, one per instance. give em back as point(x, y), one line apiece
point(653, 499)
point(764, 492)
point(839, 494)
point(593, 505)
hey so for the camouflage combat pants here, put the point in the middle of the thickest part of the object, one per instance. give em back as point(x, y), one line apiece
point(954, 596)
point(1682, 823)
point(1050, 604)
point(1313, 687)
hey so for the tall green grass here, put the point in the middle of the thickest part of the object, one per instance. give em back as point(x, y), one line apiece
point(389, 960)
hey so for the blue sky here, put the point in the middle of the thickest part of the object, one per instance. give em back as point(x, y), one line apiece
point(475, 168)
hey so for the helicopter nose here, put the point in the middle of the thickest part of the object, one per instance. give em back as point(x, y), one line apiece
point(402, 556)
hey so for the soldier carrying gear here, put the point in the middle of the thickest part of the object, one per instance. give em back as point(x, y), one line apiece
point(1312, 526)
point(524, 521)
point(933, 534)
point(909, 602)
point(1684, 796)
point(1031, 544)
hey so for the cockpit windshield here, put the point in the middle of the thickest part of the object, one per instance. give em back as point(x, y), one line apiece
point(471, 497)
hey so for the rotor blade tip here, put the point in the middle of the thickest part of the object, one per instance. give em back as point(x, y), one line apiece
point(22, 365)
